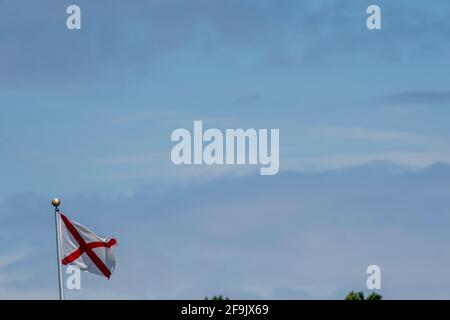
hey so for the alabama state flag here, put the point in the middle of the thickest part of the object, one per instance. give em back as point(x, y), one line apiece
point(83, 248)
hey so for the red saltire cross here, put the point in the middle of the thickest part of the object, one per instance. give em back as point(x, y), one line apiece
point(86, 248)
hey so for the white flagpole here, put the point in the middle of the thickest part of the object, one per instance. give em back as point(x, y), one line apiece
point(56, 202)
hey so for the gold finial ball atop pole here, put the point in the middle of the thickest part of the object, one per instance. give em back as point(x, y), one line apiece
point(56, 202)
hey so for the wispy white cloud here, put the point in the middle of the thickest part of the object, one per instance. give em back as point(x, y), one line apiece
point(159, 165)
point(422, 97)
point(423, 150)
point(9, 277)
point(13, 276)
point(133, 158)
point(10, 258)
point(413, 159)
point(357, 133)
point(36, 294)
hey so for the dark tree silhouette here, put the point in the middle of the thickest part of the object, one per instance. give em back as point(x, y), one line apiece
point(219, 297)
point(360, 296)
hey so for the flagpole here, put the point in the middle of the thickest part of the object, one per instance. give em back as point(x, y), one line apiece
point(56, 202)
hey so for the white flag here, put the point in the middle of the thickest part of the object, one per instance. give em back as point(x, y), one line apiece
point(83, 248)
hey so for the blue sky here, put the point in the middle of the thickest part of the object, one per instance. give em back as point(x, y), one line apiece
point(87, 115)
